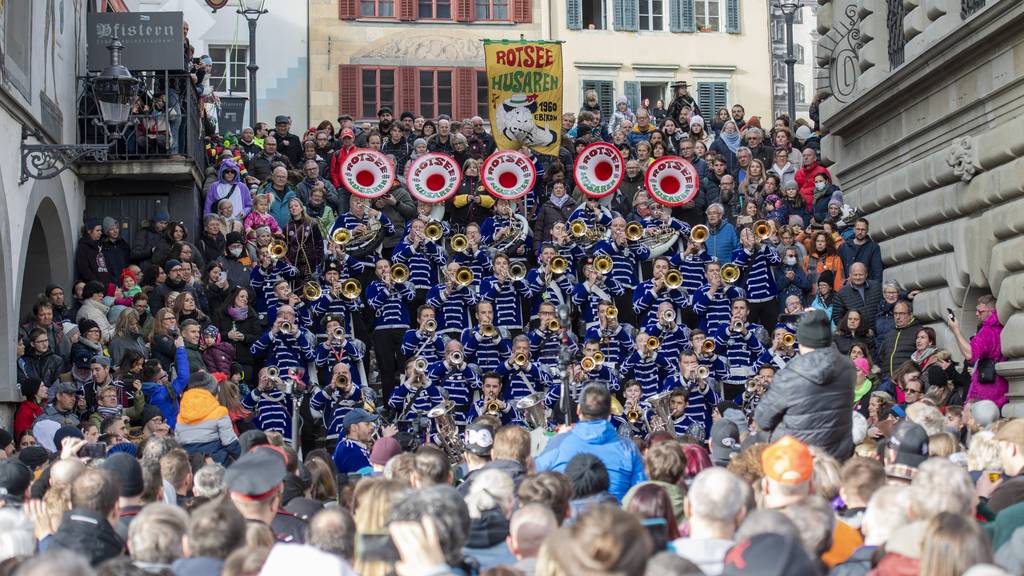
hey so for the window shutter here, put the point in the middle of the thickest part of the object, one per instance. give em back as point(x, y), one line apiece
point(522, 11)
point(632, 91)
point(348, 90)
point(465, 93)
point(406, 9)
point(574, 14)
point(406, 89)
point(681, 16)
point(348, 9)
point(606, 99)
point(705, 99)
point(732, 16)
point(626, 15)
point(721, 95)
point(464, 10)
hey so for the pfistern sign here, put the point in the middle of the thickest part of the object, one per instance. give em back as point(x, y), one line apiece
point(152, 40)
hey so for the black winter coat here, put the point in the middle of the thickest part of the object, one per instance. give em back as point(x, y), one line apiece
point(91, 263)
point(88, 534)
point(849, 298)
point(896, 347)
point(812, 400)
point(250, 328)
point(118, 255)
point(146, 240)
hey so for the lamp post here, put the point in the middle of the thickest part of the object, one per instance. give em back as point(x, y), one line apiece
point(115, 92)
point(252, 10)
point(789, 8)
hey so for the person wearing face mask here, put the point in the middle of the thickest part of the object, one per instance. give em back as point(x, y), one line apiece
point(236, 261)
point(825, 192)
point(790, 278)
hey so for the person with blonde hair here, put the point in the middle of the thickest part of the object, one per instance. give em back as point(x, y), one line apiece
point(371, 503)
point(952, 544)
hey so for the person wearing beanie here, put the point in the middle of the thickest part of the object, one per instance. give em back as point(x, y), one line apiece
point(148, 237)
point(811, 398)
point(93, 309)
point(115, 248)
point(128, 472)
point(90, 261)
point(204, 425)
point(824, 288)
point(236, 261)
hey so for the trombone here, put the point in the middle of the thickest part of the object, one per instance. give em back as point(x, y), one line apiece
point(558, 265)
point(459, 243)
point(433, 231)
point(277, 249)
point(350, 289)
point(517, 271)
point(634, 231)
point(554, 325)
point(578, 228)
point(603, 264)
point(611, 312)
point(699, 234)
point(673, 279)
point(652, 343)
point(464, 276)
point(788, 340)
point(341, 237)
point(668, 316)
point(520, 361)
point(707, 348)
point(763, 230)
point(488, 330)
point(312, 291)
point(588, 363)
point(730, 273)
point(399, 273)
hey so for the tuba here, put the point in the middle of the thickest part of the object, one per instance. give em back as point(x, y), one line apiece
point(448, 436)
point(367, 241)
point(661, 404)
point(532, 410)
point(516, 233)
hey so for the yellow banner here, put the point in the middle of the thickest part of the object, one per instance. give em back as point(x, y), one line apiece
point(524, 81)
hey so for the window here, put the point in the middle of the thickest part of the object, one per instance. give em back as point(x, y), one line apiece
point(594, 15)
point(709, 15)
point(18, 45)
point(711, 96)
point(378, 90)
point(492, 10)
point(482, 109)
point(435, 93)
point(778, 30)
point(801, 94)
point(229, 72)
point(798, 51)
point(798, 16)
point(651, 15)
point(378, 8)
point(605, 96)
point(778, 70)
point(435, 9)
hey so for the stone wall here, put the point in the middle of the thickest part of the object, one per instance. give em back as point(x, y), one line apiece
point(925, 129)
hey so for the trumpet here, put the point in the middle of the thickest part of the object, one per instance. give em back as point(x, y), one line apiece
point(517, 271)
point(488, 330)
point(338, 333)
point(341, 237)
point(429, 326)
point(755, 386)
point(634, 231)
point(519, 360)
point(668, 316)
point(433, 231)
point(420, 364)
point(344, 381)
point(277, 249)
point(312, 291)
point(699, 233)
point(707, 348)
point(763, 230)
point(492, 407)
point(652, 343)
point(286, 326)
point(464, 276)
point(456, 358)
point(558, 265)
point(788, 340)
point(588, 363)
point(273, 372)
point(603, 264)
point(737, 326)
point(611, 312)
point(702, 372)
point(578, 228)
point(730, 273)
point(673, 279)
point(459, 243)
point(554, 325)
point(399, 273)
point(632, 415)
point(351, 289)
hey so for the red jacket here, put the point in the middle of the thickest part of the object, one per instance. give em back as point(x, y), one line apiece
point(805, 180)
point(337, 158)
point(25, 416)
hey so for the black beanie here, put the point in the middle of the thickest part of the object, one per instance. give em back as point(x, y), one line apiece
point(814, 330)
point(128, 472)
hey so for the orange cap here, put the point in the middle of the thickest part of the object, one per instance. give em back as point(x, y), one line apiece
point(788, 461)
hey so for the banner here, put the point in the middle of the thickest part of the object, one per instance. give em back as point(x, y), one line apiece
point(524, 94)
point(152, 40)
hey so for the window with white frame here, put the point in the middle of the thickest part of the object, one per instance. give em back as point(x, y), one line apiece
point(709, 15)
point(229, 72)
point(801, 93)
point(491, 10)
point(798, 52)
point(652, 15)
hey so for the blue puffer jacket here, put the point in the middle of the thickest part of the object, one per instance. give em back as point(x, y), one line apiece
point(721, 242)
point(160, 396)
point(597, 437)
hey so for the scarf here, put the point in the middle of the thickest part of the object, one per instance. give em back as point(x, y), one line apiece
point(559, 201)
point(315, 211)
point(108, 412)
point(921, 356)
point(238, 313)
point(731, 140)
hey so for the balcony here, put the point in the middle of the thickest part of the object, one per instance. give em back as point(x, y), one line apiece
point(163, 138)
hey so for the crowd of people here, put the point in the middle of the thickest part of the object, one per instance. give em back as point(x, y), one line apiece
point(554, 385)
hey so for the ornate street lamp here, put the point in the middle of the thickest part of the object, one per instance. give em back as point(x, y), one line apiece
point(115, 91)
point(789, 8)
point(252, 10)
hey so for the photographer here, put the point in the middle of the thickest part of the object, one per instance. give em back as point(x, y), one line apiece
point(984, 350)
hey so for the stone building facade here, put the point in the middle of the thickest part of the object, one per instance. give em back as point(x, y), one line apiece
point(924, 126)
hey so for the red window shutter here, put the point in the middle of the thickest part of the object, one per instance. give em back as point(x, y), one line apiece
point(406, 90)
point(348, 90)
point(348, 9)
point(464, 10)
point(465, 93)
point(406, 9)
point(522, 11)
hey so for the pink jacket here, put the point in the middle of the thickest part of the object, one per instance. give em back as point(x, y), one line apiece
point(986, 344)
point(254, 220)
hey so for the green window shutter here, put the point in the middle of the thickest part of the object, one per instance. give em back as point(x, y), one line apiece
point(711, 96)
point(732, 16)
point(681, 16)
point(573, 14)
point(605, 96)
point(632, 91)
point(626, 15)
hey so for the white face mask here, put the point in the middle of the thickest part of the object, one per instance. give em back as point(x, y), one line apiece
point(820, 185)
point(236, 252)
point(791, 261)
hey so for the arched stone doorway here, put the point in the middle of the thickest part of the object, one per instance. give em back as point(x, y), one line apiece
point(46, 255)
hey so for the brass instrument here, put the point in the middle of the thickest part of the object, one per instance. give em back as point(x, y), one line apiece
point(341, 237)
point(652, 343)
point(420, 364)
point(399, 273)
point(516, 271)
point(286, 326)
point(532, 410)
point(367, 241)
point(312, 291)
point(488, 330)
point(558, 265)
point(730, 273)
point(459, 243)
point(603, 264)
point(520, 360)
point(703, 372)
point(673, 279)
point(599, 358)
point(518, 230)
point(699, 233)
point(788, 340)
point(447, 431)
point(429, 326)
point(464, 276)
point(763, 230)
point(662, 406)
point(668, 316)
point(707, 348)
point(554, 325)
point(611, 312)
point(588, 363)
point(273, 373)
point(277, 249)
point(737, 326)
point(351, 289)
point(492, 407)
point(456, 358)
point(344, 380)
point(578, 228)
point(433, 231)
point(634, 231)
point(633, 415)
point(339, 333)
point(752, 385)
